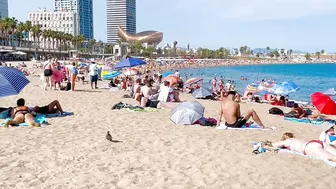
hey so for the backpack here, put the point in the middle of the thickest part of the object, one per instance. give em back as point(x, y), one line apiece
point(275, 111)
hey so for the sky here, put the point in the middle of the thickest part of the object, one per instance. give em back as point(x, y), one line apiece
point(305, 25)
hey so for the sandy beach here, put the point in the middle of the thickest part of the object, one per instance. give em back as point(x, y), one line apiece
point(72, 152)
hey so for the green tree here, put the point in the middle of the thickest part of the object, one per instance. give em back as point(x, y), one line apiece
point(307, 56)
point(318, 54)
point(322, 51)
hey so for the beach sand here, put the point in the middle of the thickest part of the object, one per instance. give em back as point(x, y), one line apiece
point(72, 152)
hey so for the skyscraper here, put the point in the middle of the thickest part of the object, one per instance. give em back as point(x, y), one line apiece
point(120, 13)
point(3, 8)
point(84, 12)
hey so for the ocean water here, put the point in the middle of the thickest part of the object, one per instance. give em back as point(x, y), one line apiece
point(310, 77)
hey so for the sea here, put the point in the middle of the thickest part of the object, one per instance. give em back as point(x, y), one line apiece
point(310, 77)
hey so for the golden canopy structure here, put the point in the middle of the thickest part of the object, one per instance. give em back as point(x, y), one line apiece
point(149, 37)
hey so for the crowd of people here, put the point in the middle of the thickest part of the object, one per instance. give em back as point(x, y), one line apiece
point(149, 89)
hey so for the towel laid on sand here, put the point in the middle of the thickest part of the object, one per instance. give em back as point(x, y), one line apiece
point(58, 114)
point(41, 119)
point(137, 109)
point(304, 120)
point(330, 163)
point(251, 127)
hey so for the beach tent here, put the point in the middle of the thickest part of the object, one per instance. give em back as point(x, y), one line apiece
point(187, 113)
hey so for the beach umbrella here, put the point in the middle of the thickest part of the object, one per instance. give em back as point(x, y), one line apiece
point(193, 80)
point(106, 70)
point(12, 81)
point(285, 88)
point(330, 92)
point(111, 75)
point(323, 103)
point(129, 62)
point(172, 79)
point(201, 93)
point(187, 113)
point(166, 74)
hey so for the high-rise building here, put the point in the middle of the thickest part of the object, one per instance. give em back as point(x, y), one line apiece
point(3, 8)
point(84, 12)
point(120, 13)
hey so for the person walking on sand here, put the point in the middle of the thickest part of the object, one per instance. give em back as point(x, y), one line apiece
point(230, 110)
point(93, 72)
point(48, 73)
point(74, 73)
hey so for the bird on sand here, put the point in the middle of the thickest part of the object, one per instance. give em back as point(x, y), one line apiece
point(108, 136)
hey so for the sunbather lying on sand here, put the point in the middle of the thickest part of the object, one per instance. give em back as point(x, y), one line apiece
point(312, 147)
point(230, 110)
point(53, 107)
point(21, 114)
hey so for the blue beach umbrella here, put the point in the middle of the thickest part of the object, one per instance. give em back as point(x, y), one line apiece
point(128, 63)
point(111, 75)
point(12, 81)
point(166, 74)
point(285, 88)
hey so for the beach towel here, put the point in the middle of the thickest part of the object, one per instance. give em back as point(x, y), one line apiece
point(250, 127)
point(330, 163)
point(305, 120)
point(41, 119)
point(65, 114)
point(137, 109)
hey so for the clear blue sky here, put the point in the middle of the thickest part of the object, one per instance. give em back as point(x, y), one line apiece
point(306, 25)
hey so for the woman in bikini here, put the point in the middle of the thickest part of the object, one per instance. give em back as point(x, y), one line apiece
point(312, 147)
point(21, 114)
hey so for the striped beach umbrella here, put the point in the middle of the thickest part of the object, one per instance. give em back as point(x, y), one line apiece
point(12, 81)
point(106, 70)
point(193, 80)
point(111, 75)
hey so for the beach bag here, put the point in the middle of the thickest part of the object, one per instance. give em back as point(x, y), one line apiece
point(275, 111)
point(292, 114)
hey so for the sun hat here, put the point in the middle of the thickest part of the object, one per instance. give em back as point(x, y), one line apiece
point(326, 126)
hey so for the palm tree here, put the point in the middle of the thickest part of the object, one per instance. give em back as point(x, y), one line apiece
point(2, 31)
point(27, 30)
point(19, 30)
point(92, 43)
point(318, 54)
point(322, 51)
point(268, 49)
point(36, 30)
point(45, 36)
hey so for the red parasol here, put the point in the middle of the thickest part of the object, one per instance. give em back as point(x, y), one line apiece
point(323, 103)
point(172, 79)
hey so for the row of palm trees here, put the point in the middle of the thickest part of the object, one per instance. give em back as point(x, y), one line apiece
point(24, 34)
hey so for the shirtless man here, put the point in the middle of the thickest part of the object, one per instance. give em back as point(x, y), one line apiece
point(146, 90)
point(230, 110)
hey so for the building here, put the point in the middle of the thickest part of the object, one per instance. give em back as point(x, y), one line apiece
point(64, 21)
point(120, 13)
point(84, 12)
point(3, 8)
